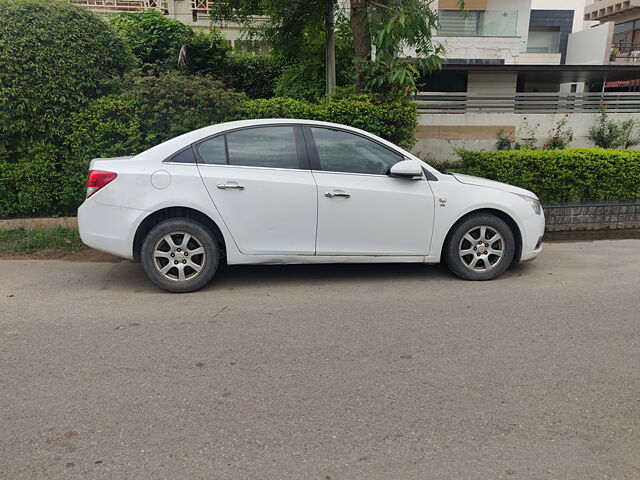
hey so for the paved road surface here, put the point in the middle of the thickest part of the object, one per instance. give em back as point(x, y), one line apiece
point(324, 372)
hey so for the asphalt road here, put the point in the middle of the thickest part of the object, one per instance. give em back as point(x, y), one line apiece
point(324, 372)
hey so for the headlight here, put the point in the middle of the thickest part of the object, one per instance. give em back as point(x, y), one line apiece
point(535, 203)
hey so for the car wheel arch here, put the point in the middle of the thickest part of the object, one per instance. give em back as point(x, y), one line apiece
point(163, 214)
point(517, 234)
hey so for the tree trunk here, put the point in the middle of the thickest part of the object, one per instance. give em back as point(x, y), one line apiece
point(361, 40)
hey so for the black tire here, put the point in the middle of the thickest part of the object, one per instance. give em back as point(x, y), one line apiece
point(159, 255)
point(493, 264)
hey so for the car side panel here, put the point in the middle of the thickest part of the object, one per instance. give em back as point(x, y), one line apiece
point(454, 200)
point(133, 190)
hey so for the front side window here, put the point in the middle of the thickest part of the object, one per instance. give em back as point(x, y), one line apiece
point(340, 151)
point(273, 147)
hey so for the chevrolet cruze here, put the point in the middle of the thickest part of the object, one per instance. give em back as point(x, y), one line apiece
point(280, 191)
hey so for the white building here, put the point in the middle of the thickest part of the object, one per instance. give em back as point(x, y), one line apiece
point(519, 66)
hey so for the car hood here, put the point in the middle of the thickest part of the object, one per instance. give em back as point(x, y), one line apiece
point(483, 182)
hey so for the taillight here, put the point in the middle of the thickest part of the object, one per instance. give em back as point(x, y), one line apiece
point(98, 179)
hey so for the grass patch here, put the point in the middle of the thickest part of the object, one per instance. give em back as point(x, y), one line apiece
point(30, 240)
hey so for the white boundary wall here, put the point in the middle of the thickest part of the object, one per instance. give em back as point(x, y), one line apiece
point(439, 134)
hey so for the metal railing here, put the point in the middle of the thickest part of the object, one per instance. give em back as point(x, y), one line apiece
point(625, 52)
point(119, 5)
point(622, 102)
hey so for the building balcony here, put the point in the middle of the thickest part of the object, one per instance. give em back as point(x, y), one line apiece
point(624, 53)
point(114, 6)
point(608, 10)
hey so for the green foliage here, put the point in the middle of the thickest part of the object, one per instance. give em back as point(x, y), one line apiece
point(628, 137)
point(154, 39)
point(54, 58)
point(398, 27)
point(173, 104)
point(505, 140)
point(610, 134)
point(286, 26)
point(306, 78)
point(559, 137)
point(49, 179)
point(392, 119)
point(254, 75)
point(22, 240)
point(556, 176)
point(205, 53)
point(162, 45)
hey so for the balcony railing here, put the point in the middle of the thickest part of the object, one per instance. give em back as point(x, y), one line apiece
point(119, 5)
point(489, 23)
point(622, 102)
point(625, 52)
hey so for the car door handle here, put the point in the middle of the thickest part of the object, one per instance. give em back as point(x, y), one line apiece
point(337, 194)
point(225, 186)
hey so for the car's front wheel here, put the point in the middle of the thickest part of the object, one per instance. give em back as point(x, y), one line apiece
point(480, 248)
point(180, 255)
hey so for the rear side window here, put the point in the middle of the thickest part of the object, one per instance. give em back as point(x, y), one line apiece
point(213, 151)
point(184, 156)
point(273, 147)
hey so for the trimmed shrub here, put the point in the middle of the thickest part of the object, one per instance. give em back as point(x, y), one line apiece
point(394, 120)
point(556, 176)
point(154, 39)
point(54, 58)
point(173, 104)
point(253, 75)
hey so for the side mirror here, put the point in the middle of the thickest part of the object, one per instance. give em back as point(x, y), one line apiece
point(410, 169)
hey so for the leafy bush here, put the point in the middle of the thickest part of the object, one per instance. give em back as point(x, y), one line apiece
point(154, 39)
point(150, 111)
point(393, 119)
point(305, 79)
point(54, 58)
point(559, 137)
point(585, 174)
point(254, 75)
point(173, 104)
point(609, 134)
point(504, 140)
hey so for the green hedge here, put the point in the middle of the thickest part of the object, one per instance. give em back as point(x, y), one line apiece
point(556, 176)
point(392, 119)
point(49, 178)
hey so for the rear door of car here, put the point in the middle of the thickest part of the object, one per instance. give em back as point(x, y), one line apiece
point(259, 180)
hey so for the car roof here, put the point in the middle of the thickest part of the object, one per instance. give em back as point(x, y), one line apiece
point(172, 146)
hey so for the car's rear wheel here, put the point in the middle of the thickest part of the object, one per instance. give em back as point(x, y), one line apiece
point(481, 247)
point(180, 255)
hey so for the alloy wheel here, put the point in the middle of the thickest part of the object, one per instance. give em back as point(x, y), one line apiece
point(482, 248)
point(179, 256)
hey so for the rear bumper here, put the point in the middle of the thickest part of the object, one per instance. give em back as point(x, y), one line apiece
point(108, 228)
point(532, 230)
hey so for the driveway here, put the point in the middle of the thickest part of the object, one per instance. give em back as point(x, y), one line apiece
point(324, 372)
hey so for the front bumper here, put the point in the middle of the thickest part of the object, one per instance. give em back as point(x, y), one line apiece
point(532, 230)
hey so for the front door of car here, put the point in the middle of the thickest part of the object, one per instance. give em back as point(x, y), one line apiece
point(362, 210)
point(266, 195)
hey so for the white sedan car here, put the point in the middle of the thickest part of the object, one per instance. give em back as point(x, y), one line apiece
point(298, 191)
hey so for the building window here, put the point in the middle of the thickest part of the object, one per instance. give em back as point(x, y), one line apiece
point(544, 40)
